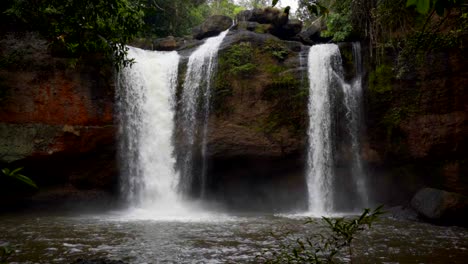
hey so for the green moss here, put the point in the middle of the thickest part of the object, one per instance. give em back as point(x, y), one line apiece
point(290, 99)
point(393, 117)
point(276, 49)
point(380, 80)
point(222, 90)
point(262, 28)
point(238, 60)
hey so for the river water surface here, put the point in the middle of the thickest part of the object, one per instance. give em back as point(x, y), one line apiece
point(213, 238)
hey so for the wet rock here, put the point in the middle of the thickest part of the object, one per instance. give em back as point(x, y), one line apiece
point(212, 27)
point(250, 163)
point(254, 26)
point(441, 206)
point(245, 15)
point(403, 213)
point(167, 44)
point(142, 43)
point(57, 120)
point(267, 15)
point(288, 30)
point(312, 35)
point(269, 20)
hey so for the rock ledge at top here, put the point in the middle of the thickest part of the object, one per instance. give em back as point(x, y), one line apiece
point(212, 27)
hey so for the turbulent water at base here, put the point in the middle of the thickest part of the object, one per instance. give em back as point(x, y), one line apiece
point(326, 83)
point(233, 239)
point(195, 101)
point(145, 97)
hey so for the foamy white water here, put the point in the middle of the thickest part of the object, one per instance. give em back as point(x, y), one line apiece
point(145, 98)
point(197, 91)
point(326, 79)
point(320, 162)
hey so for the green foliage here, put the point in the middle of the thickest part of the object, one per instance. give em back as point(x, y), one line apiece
point(235, 64)
point(225, 7)
point(393, 118)
point(5, 253)
point(17, 176)
point(380, 80)
point(439, 6)
point(276, 49)
point(83, 27)
point(262, 28)
point(434, 35)
point(172, 17)
point(422, 6)
point(338, 26)
point(290, 99)
point(239, 60)
point(337, 15)
point(251, 4)
point(325, 247)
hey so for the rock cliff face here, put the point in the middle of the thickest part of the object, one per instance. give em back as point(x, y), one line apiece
point(56, 118)
point(257, 129)
point(417, 127)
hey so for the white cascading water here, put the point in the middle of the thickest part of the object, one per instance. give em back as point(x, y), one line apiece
point(325, 80)
point(320, 156)
point(145, 97)
point(352, 94)
point(197, 91)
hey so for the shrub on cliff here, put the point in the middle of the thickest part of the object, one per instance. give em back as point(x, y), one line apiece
point(76, 28)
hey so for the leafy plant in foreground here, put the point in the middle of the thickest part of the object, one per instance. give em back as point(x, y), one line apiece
point(5, 253)
point(323, 248)
point(16, 175)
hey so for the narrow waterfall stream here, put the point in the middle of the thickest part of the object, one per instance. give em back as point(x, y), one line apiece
point(353, 103)
point(146, 111)
point(327, 86)
point(196, 97)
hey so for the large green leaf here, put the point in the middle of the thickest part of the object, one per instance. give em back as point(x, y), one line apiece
point(25, 180)
point(274, 2)
point(15, 175)
point(422, 6)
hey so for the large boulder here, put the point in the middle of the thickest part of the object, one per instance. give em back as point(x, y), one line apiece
point(269, 20)
point(441, 206)
point(167, 44)
point(288, 30)
point(267, 15)
point(212, 27)
point(312, 36)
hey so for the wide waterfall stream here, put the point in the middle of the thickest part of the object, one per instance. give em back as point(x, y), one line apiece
point(166, 221)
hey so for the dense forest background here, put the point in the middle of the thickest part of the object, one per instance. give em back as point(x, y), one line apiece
point(74, 28)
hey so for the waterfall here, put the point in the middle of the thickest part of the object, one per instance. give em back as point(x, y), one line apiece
point(319, 161)
point(196, 97)
point(353, 102)
point(327, 86)
point(145, 98)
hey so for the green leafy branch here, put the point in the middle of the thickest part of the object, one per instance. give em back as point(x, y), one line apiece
point(322, 248)
point(20, 177)
point(5, 253)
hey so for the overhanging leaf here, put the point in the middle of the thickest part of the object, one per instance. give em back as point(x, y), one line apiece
point(25, 180)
